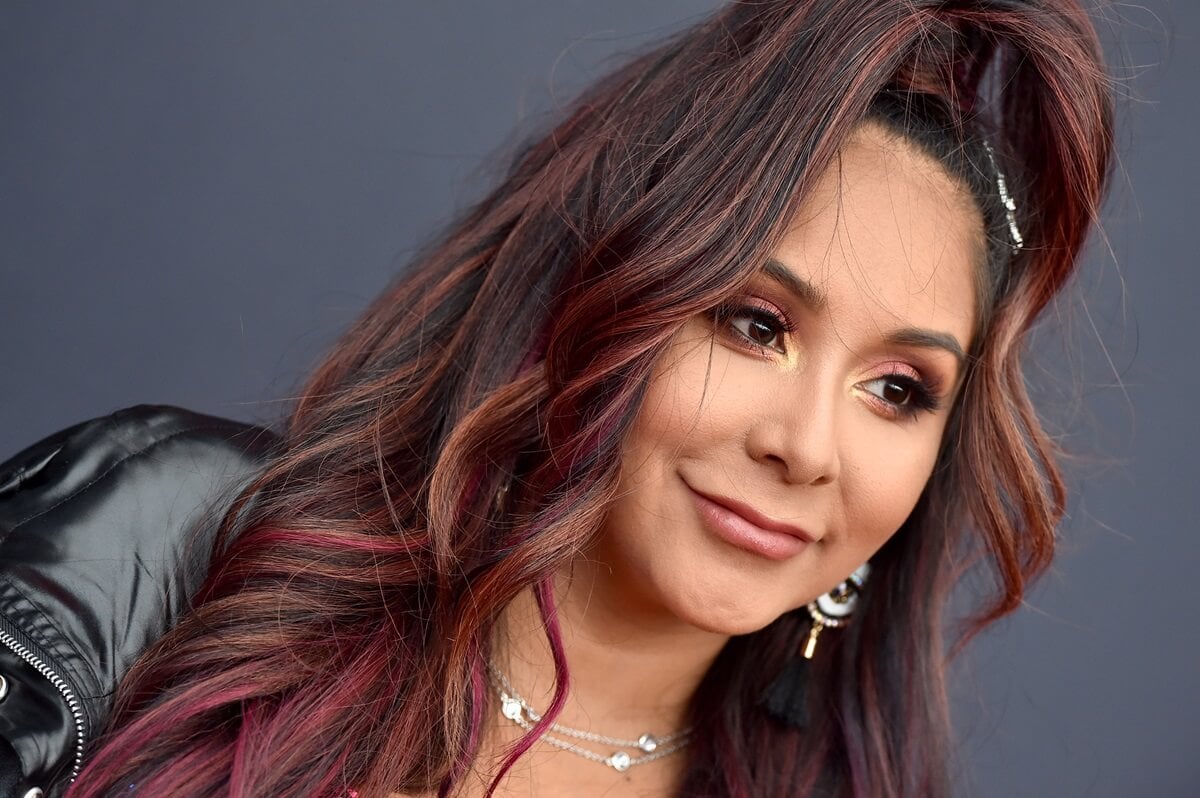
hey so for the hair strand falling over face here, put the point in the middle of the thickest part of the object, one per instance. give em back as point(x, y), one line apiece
point(371, 557)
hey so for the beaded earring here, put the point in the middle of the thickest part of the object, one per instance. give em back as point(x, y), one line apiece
point(785, 698)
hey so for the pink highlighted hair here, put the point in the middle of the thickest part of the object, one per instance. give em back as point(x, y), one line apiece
point(342, 635)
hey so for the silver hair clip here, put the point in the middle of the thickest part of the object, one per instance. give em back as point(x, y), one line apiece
point(1010, 206)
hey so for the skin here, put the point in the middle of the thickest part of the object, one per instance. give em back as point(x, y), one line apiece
point(806, 430)
point(808, 425)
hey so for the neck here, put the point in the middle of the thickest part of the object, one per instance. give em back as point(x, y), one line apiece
point(632, 668)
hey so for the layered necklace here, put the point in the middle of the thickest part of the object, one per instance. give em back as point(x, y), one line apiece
point(647, 747)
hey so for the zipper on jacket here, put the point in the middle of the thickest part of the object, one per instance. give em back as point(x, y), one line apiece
point(9, 637)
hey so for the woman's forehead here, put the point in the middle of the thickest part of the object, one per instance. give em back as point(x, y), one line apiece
point(887, 232)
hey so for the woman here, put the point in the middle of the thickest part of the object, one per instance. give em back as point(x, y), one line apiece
point(652, 476)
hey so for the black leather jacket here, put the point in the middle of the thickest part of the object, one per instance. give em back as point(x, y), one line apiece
point(95, 564)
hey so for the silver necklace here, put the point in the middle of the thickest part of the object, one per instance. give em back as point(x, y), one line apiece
point(652, 747)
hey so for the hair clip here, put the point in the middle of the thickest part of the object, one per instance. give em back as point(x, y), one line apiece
point(1010, 206)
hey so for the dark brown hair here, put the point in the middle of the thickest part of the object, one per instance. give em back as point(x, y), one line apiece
point(342, 635)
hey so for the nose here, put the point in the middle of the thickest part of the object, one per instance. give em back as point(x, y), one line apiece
point(797, 432)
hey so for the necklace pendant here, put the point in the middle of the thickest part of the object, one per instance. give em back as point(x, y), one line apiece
point(647, 743)
point(620, 761)
point(510, 706)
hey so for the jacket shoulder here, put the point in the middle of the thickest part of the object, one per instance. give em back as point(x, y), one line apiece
point(105, 533)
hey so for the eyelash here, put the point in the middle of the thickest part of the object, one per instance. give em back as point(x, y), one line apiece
point(923, 396)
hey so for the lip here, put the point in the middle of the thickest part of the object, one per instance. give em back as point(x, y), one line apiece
point(742, 526)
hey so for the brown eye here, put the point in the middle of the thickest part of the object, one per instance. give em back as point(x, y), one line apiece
point(759, 327)
point(895, 392)
point(902, 396)
point(761, 333)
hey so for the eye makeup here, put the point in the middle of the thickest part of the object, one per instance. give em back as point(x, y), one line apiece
point(756, 321)
point(897, 389)
point(902, 391)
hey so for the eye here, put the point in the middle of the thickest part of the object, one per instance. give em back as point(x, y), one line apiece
point(897, 391)
point(763, 332)
point(902, 396)
point(760, 327)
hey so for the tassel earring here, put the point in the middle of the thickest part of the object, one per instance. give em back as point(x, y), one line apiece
point(785, 698)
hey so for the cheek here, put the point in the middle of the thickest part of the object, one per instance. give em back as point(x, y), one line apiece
point(685, 407)
point(889, 474)
point(686, 415)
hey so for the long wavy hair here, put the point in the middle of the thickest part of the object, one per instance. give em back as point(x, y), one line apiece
point(342, 635)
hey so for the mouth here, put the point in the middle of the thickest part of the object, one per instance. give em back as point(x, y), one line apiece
point(740, 525)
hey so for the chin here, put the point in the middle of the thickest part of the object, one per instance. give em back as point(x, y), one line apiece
point(730, 625)
point(726, 612)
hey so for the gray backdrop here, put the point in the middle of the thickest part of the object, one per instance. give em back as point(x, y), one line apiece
point(195, 199)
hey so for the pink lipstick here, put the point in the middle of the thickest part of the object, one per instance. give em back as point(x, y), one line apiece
point(740, 525)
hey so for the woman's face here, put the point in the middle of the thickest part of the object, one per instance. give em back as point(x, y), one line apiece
point(786, 438)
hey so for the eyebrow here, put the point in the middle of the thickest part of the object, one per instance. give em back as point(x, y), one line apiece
point(814, 298)
point(804, 291)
